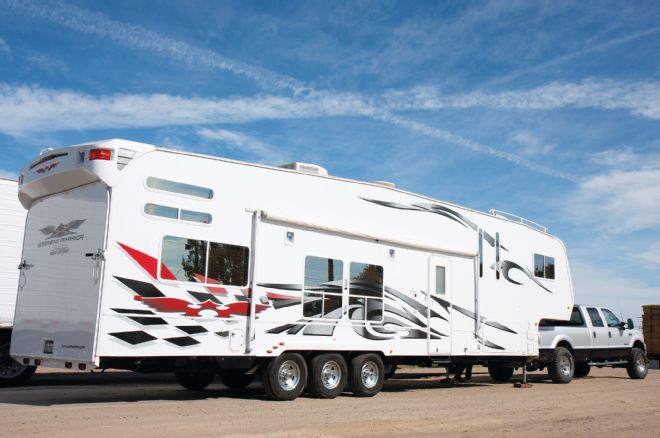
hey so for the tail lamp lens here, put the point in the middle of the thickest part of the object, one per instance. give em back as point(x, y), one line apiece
point(100, 154)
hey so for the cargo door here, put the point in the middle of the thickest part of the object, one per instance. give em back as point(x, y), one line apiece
point(61, 274)
point(440, 290)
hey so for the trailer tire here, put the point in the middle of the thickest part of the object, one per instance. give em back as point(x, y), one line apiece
point(637, 366)
point(13, 373)
point(235, 379)
point(194, 380)
point(284, 377)
point(561, 366)
point(328, 375)
point(499, 373)
point(581, 369)
point(366, 375)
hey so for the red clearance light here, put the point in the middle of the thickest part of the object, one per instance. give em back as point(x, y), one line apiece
point(100, 154)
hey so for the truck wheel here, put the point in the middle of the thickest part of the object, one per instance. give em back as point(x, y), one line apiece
point(13, 373)
point(366, 375)
point(637, 366)
point(235, 379)
point(284, 377)
point(328, 374)
point(194, 380)
point(561, 366)
point(500, 373)
point(581, 369)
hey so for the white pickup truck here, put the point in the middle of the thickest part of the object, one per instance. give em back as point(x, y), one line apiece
point(594, 336)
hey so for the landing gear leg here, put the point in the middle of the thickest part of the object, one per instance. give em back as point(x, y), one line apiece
point(524, 383)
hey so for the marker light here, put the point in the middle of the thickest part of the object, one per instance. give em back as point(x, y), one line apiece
point(100, 154)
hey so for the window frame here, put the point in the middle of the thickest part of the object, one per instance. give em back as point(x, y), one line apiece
point(322, 293)
point(605, 312)
point(366, 297)
point(545, 266)
point(185, 195)
point(591, 320)
point(178, 218)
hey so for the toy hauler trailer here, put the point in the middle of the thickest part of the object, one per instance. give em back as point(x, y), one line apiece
point(141, 258)
point(12, 222)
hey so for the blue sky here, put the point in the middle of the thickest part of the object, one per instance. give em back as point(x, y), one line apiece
point(550, 110)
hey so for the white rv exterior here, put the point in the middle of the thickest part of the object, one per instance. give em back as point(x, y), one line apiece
point(12, 223)
point(143, 255)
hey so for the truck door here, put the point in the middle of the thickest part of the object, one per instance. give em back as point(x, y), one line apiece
point(619, 341)
point(440, 286)
point(600, 335)
point(60, 280)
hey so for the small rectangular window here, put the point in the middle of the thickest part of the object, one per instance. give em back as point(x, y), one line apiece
point(161, 211)
point(544, 266)
point(228, 264)
point(596, 320)
point(184, 258)
point(177, 187)
point(322, 297)
point(440, 280)
point(195, 216)
point(366, 292)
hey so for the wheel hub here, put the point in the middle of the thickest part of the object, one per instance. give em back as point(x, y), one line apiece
point(289, 375)
point(370, 374)
point(331, 374)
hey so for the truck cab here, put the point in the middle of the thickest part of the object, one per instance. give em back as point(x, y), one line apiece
point(593, 336)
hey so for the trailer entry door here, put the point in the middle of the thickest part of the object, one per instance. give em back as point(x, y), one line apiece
point(60, 281)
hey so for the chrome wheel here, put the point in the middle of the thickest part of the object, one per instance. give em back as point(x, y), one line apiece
point(640, 363)
point(370, 374)
point(331, 374)
point(288, 375)
point(565, 366)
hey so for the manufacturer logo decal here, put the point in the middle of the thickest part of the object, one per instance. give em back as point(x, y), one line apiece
point(62, 233)
point(46, 168)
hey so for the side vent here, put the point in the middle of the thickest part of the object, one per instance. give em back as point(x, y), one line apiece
point(313, 169)
point(124, 156)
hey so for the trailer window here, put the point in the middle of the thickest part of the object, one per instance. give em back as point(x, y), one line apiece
point(185, 258)
point(596, 320)
point(176, 213)
point(366, 292)
point(544, 266)
point(177, 187)
point(440, 280)
point(322, 296)
point(228, 264)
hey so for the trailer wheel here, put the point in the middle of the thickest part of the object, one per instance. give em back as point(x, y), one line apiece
point(499, 373)
point(13, 373)
point(581, 369)
point(328, 374)
point(194, 380)
point(561, 366)
point(637, 366)
point(366, 375)
point(235, 379)
point(284, 377)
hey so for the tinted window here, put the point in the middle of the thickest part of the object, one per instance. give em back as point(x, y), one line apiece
point(366, 292)
point(440, 280)
point(544, 266)
point(322, 297)
point(538, 265)
point(228, 264)
point(610, 318)
point(177, 187)
point(185, 258)
point(161, 211)
point(596, 320)
point(576, 317)
point(550, 267)
point(195, 216)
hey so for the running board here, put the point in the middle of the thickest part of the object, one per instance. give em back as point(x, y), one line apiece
point(606, 363)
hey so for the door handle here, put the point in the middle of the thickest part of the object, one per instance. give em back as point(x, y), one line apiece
point(609, 333)
point(594, 334)
point(24, 265)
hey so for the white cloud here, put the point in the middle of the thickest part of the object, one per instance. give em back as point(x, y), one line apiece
point(5, 49)
point(618, 202)
point(530, 145)
point(8, 174)
point(236, 140)
point(625, 159)
point(650, 257)
point(639, 98)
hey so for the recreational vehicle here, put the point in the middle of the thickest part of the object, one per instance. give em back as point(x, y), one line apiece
point(147, 259)
point(12, 221)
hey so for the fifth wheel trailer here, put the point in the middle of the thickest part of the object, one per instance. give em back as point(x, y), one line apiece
point(148, 259)
point(12, 222)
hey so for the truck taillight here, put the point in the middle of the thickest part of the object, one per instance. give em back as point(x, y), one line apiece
point(100, 154)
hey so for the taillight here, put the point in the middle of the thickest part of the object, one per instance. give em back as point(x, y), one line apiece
point(100, 154)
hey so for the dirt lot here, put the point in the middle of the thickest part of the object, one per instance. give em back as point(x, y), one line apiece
point(125, 405)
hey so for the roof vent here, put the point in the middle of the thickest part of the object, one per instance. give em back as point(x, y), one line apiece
point(389, 184)
point(314, 169)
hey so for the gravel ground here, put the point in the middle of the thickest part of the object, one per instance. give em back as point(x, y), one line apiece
point(118, 404)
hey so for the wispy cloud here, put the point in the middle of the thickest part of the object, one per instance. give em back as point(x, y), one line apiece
point(529, 145)
point(625, 159)
point(264, 153)
point(139, 38)
point(639, 98)
point(5, 50)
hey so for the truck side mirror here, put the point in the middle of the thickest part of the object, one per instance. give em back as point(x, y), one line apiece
point(630, 324)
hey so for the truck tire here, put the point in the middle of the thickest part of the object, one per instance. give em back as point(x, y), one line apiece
point(328, 375)
point(235, 379)
point(581, 369)
point(194, 380)
point(366, 375)
point(284, 377)
point(500, 373)
point(561, 366)
point(637, 366)
point(13, 373)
